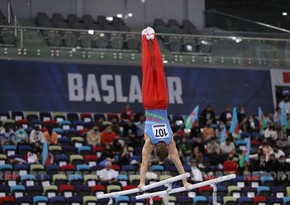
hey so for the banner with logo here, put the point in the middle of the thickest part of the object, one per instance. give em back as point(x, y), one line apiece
point(69, 87)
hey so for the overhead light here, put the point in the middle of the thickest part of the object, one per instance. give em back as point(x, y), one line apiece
point(130, 14)
point(143, 1)
point(119, 16)
point(284, 13)
point(165, 61)
point(109, 18)
point(91, 32)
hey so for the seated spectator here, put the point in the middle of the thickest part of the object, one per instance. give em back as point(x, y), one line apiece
point(213, 150)
point(284, 165)
point(198, 156)
point(259, 164)
point(270, 118)
point(50, 136)
point(7, 135)
point(267, 149)
point(219, 130)
point(140, 126)
point(183, 149)
point(207, 114)
point(241, 114)
point(124, 155)
point(228, 147)
point(271, 133)
point(93, 136)
point(196, 175)
point(277, 116)
point(108, 175)
point(230, 166)
point(107, 155)
point(226, 115)
point(107, 136)
point(127, 114)
point(36, 137)
point(34, 157)
point(277, 152)
point(195, 130)
point(208, 131)
point(20, 136)
point(129, 133)
point(116, 127)
point(251, 124)
point(272, 165)
point(198, 143)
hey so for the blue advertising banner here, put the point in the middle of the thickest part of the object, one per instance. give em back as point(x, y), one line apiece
point(66, 87)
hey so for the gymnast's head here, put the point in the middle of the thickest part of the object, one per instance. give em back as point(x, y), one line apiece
point(161, 151)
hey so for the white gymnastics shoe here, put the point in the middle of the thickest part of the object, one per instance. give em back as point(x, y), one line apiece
point(144, 32)
point(150, 33)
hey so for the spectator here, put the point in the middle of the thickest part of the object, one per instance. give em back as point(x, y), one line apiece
point(107, 155)
point(196, 175)
point(34, 157)
point(230, 166)
point(272, 164)
point(107, 136)
point(108, 175)
point(286, 103)
point(7, 135)
point(207, 114)
point(129, 133)
point(271, 133)
point(50, 136)
point(277, 116)
point(124, 155)
point(226, 115)
point(93, 136)
point(277, 152)
point(21, 136)
point(259, 164)
point(228, 147)
point(116, 126)
point(198, 143)
point(36, 137)
point(219, 130)
point(184, 149)
point(140, 126)
point(208, 131)
point(195, 131)
point(127, 114)
point(252, 124)
point(270, 118)
point(284, 165)
point(198, 156)
point(213, 150)
point(267, 149)
point(241, 114)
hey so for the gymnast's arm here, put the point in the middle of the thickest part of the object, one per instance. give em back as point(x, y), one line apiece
point(146, 157)
point(173, 153)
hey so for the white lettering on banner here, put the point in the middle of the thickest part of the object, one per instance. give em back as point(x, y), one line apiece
point(92, 91)
point(174, 90)
point(109, 88)
point(75, 87)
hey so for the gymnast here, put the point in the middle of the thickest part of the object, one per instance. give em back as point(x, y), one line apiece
point(158, 134)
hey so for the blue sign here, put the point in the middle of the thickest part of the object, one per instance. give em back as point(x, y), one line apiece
point(67, 87)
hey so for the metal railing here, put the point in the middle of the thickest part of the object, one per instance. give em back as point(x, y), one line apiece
point(218, 48)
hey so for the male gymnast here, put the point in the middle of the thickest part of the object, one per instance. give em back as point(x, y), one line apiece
point(158, 134)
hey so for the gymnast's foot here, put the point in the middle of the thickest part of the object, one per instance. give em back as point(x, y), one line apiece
point(150, 33)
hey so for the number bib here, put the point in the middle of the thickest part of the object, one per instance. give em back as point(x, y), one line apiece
point(160, 131)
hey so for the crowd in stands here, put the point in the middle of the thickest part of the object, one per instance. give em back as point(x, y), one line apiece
point(106, 144)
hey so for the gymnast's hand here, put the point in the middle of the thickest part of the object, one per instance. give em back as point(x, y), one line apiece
point(186, 185)
point(140, 187)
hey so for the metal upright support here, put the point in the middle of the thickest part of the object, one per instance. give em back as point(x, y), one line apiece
point(214, 194)
point(110, 201)
point(9, 11)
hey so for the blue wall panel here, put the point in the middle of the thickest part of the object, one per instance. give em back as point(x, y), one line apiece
point(35, 86)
